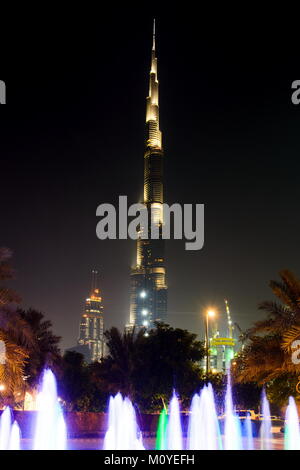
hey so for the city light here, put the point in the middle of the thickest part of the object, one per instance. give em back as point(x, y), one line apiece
point(143, 294)
point(211, 313)
point(145, 323)
point(144, 311)
point(2, 387)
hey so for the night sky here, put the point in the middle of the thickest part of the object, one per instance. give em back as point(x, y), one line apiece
point(72, 137)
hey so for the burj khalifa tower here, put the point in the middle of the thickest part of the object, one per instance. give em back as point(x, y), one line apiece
point(148, 297)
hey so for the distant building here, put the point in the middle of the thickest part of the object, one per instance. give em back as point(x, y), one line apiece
point(223, 347)
point(92, 324)
point(222, 352)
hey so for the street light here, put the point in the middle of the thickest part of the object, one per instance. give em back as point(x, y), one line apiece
point(209, 314)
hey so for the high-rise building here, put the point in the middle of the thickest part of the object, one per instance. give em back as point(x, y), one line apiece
point(148, 300)
point(91, 325)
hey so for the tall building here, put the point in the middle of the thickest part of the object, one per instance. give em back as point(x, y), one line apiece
point(91, 325)
point(148, 298)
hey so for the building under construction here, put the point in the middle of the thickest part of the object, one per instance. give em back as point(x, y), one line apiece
point(222, 346)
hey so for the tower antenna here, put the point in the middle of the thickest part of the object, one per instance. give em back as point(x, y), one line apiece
point(153, 45)
point(94, 280)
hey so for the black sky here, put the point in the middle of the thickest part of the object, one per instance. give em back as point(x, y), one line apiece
point(72, 138)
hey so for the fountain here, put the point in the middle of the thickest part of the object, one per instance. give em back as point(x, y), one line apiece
point(123, 432)
point(248, 433)
point(291, 431)
point(5, 428)
point(203, 430)
point(161, 435)
point(232, 428)
point(9, 433)
point(265, 432)
point(15, 437)
point(174, 430)
point(50, 429)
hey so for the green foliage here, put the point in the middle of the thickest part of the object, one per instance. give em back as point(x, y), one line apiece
point(247, 395)
point(148, 368)
point(77, 385)
point(120, 366)
point(43, 350)
point(73, 382)
point(280, 389)
point(7, 295)
point(266, 358)
point(14, 333)
point(30, 343)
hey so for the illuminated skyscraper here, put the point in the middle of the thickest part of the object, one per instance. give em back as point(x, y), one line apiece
point(91, 325)
point(148, 301)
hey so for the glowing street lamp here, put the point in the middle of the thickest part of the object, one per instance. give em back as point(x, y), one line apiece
point(2, 387)
point(209, 314)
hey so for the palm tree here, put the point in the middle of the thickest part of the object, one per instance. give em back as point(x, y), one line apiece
point(15, 334)
point(7, 295)
point(267, 353)
point(120, 364)
point(43, 350)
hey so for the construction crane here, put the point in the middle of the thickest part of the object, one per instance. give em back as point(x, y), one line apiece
point(229, 321)
point(242, 337)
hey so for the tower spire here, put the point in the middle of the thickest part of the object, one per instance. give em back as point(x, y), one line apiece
point(94, 280)
point(152, 113)
point(153, 44)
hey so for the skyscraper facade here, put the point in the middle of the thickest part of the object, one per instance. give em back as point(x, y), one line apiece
point(92, 324)
point(148, 299)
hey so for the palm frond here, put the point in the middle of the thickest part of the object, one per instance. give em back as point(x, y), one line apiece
point(11, 372)
point(289, 337)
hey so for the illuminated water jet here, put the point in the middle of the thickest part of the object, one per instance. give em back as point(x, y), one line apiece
point(265, 432)
point(174, 429)
point(15, 437)
point(232, 428)
point(123, 432)
point(9, 433)
point(161, 435)
point(292, 430)
point(203, 430)
point(50, 429)
point(248, 433)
